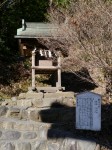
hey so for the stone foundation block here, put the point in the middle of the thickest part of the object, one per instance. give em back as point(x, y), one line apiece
point(42, 132)
point(24, 127)
point(3, 110)
point(29, 135)
point(59, 94)
point(41, 146)
point(37, 102)
point(0, 133)
point(11, 135)
point(6, 146)
point(33, 95)
point(22, 96)
point(13, 112)
point(52, 146)
point(23, 146)
point(7, 125)
point(47, 102)
point(25, 103)
point(69, 102)
point(34, 115)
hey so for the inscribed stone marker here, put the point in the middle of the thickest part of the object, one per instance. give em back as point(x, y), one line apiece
point(88, 111)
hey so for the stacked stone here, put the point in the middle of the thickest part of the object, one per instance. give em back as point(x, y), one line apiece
point(48, 107)
point(32, 121)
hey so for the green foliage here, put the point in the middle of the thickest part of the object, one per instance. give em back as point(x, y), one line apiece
point(11, 15)
point(3, 49)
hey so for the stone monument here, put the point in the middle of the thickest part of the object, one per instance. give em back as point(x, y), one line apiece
point(88, 111)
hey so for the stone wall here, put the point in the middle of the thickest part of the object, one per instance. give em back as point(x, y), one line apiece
point(34, 121)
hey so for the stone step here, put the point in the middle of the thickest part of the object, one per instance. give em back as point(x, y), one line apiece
point(46, 102)
point(28, 125)
point(22, 125)
point(38, 136)
point(40, 95)
point(41, 133)
point(51, 115)
point(15, 135)
point(39, 121)
point(14, 129)
point(40, 100)
point(40, 103)
point(23, 145)
point(59, 114)
point(50, 144)
point(10, 127)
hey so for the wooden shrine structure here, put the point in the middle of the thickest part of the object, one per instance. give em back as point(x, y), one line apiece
point(44, 61)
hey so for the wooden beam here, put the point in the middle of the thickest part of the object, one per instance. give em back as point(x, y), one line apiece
point(45, 67)
point(49, 89)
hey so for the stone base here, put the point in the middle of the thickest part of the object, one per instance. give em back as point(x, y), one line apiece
point(47, 89)
point(40, 121)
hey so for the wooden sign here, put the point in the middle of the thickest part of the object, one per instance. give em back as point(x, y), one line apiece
point(88, 111)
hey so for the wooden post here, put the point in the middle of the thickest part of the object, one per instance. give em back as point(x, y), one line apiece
point(33, 70)
point(59, 72)
point(21, 47)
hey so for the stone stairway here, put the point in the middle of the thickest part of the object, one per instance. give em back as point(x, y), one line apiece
point(36, 121)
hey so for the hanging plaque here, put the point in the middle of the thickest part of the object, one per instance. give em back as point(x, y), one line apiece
point(88, 111)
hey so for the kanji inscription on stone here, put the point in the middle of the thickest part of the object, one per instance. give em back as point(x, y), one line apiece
point(88, 111)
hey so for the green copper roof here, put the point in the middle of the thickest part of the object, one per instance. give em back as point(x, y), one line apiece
point(38, 30)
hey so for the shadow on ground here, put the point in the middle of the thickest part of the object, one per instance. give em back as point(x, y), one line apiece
point(77, 82)
point(62, 118)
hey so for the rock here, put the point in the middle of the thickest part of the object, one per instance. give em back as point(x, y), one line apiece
point(23, 146)
point(35, 145)
point(37, 102)
point(12, 103)
point(3, 110)
point(59, 95)
point(14, 98)
point(11, 135)
point(34, 95)
point(84, 144)
point(24, 114)
point(6, 146)
point(24, 103)
point(42, 132)
point(4, 103)
point(69, 102)
point(29, 135)
point(22, 96)
point(41, 146)
point(13, 112)
point(7, 125)
point(73, 144)
point(52, 146)
point(34, 115)
point(24, 126)
point(0, 133)
point(47, 102)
